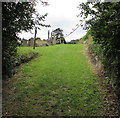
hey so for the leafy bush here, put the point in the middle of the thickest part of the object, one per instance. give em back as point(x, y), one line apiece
point(16, 17)
point(105, 30)
point(25, 58)
point(86, 36)
point(9, 55)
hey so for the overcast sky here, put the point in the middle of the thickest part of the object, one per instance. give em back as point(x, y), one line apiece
point(61, 14)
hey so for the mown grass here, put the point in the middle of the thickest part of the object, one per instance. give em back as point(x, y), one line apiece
point(58, 83)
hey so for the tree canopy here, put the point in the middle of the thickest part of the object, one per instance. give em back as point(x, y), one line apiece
point(16, 17)
point(58, 33)
point(104, 24)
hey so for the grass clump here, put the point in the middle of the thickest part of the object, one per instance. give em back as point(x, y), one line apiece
point(25, 54)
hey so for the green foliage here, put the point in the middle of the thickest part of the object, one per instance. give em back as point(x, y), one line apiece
point(16, 16)
point(73, 41)
point(63, 40)
point(86, 36)
point(60, 82)
point(59, 35)
point(9, 55)
point(105, 30)
point(25, 57)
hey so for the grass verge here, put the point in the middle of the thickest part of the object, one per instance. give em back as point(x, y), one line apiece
point(25, 54)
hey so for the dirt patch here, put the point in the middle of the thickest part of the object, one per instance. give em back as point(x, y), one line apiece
point(8, 93)
point(110, 106)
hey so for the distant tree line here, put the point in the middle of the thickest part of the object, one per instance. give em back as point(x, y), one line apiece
point(75, 41)
point(55, 37)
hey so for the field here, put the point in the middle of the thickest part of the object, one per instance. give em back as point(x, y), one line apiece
point(59, 82)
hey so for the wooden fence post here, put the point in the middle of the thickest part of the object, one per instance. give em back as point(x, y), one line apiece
point(35, 37)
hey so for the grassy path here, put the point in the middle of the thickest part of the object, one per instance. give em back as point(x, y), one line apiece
point(59, 82)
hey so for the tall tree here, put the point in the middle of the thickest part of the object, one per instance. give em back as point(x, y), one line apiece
point(58, 33)
point(16, 16)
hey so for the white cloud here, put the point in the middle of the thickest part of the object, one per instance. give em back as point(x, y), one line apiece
point(61, 13)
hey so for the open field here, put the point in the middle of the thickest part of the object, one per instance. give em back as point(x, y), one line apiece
point(57, 83)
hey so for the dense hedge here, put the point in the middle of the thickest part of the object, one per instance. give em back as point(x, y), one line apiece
point(88, 34)
point(111, 65)
point(25, 58)
point(9, 54)
point(106, 33)
point(105, 30)
point(16, 17)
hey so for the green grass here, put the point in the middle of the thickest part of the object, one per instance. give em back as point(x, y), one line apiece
point(59, 82)
point(25, 50)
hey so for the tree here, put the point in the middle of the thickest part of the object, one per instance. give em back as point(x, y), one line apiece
point(58, 33)
point(63, 40)
point(105, 30)
point(16, 16)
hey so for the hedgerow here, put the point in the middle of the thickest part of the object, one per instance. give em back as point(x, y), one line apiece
point(16, 17)
point(105, 31)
